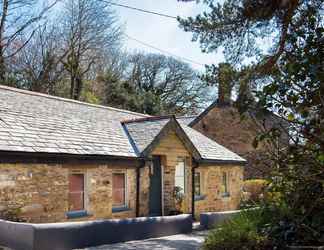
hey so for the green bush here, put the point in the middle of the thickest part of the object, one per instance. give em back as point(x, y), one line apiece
point(11, 215)
point(241, 232)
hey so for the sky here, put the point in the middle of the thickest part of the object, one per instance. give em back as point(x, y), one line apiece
point(163, 33)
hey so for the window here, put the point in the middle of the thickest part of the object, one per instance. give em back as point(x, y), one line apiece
point(180, 175)
point(225, 190)
point(197, 184)
point(119, 190)
point(76, 192)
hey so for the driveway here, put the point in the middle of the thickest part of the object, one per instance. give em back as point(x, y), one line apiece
point(180, 241)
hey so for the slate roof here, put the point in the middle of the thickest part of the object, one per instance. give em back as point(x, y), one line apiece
point(32, 122)
point(187, 119)
point(143, 132)
point(209, 149)
point(37, 123)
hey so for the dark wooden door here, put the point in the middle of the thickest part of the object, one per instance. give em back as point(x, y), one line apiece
point(155, 188)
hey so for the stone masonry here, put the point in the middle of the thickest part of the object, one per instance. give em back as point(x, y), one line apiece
point(170, 148)
point(224, 125)
point(39, 192)
point(213, 198)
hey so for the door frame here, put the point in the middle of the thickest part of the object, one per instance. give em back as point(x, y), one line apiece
point(162, 186)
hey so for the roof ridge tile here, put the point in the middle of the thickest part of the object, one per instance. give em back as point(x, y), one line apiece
point(145, 119)
point(32, 93)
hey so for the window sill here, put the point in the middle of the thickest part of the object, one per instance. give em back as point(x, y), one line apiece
point(77, 214)
point(226, 195)
point(200, 197)
point(120, 209)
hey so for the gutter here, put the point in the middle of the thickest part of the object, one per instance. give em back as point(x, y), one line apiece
point(194, 166)
point(63, 158)
point(223, 162)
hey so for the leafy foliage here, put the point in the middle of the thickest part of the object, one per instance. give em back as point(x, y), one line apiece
point(76, 53)
point(287, 78)
point(240, 232)
point(296, 93)
point(11, 215)
point(155, 84)
point(240, 27)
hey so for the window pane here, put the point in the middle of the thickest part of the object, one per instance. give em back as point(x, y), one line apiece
point(76, 192)
point(180, 175)
point(119, 188)
point(224, 183)
point(179, 169)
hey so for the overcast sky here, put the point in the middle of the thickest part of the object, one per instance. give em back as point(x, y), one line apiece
point(162, 32)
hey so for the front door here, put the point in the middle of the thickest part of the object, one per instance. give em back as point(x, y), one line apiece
point(155, 188)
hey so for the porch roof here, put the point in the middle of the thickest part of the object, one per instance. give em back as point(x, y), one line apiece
point(144, 132)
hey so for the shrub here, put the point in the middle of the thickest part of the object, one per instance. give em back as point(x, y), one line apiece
point(255, 188)
point(241, 232)
point(11, 215)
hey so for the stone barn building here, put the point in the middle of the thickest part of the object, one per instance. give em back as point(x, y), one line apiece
point(63, 160)
point(222, 122)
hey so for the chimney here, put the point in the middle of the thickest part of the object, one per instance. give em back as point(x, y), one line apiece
point(225, 83)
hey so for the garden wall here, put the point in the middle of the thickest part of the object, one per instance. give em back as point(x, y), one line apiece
point(210, 220)
point(75, 235)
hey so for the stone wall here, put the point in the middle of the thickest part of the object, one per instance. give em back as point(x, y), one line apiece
point(39, 192)
point(144, 191)
point(213, 200)
point(171, 148)
point(224, 125)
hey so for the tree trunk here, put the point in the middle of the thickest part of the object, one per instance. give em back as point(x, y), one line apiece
point(78, 88)
point(72, 86)
point(5, 7)
point(2, 67)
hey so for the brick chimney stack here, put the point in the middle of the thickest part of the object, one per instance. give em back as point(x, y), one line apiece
point(225, 83)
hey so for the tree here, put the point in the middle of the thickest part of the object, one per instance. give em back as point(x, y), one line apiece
point(296, 94)
point(292, 86)
point(38, 65)
point(241, 27)
point(89, 28)
point(17, 18)
point(289, 81)
point(156, 84)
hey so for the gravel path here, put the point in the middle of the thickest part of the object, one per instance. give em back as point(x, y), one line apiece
point(180, 241)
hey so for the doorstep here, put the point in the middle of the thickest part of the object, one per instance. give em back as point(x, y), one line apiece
point(197, 227)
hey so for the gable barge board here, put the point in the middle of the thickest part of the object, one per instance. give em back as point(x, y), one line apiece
point(55, 158)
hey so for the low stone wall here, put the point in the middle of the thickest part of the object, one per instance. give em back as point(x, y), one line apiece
point(210, 220)
point(74, 235)
point(16, 235)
